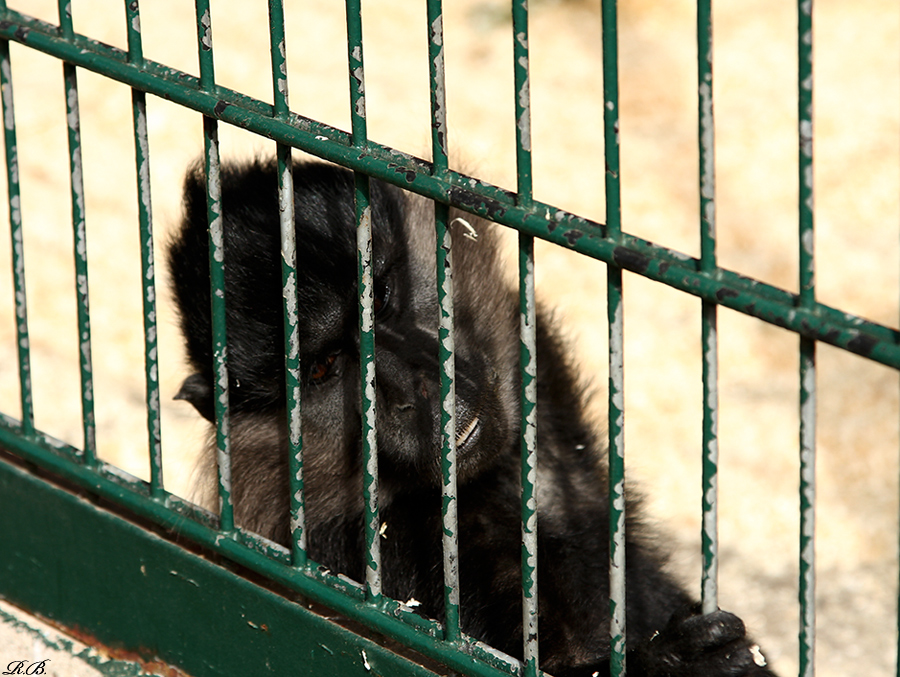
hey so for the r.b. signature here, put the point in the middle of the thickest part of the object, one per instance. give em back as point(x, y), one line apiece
point(26, 668)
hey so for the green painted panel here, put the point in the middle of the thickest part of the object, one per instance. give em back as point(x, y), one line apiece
point(67, 559)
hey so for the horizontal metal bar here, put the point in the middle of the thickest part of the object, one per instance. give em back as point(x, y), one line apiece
point(680, 271)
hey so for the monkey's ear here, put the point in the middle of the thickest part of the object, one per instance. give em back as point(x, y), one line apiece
point(196, 390)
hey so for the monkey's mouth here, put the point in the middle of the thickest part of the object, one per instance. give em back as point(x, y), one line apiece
point(469, 434)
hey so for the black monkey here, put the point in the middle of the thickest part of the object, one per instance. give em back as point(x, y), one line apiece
point(666, 635)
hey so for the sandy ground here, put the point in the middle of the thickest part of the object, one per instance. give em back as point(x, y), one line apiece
point(857, 174)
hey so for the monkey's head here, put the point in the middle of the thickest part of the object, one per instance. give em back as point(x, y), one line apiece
point(406, 328)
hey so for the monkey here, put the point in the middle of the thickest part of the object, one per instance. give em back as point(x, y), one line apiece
point(666, 633)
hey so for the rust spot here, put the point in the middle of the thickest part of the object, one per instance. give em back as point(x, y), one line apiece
point(476, 202)
point(220, 107)
point(862, 344)
point(629, 260)
point(726, 293)
point(154, 667)
point(831, 335)
point(572, 236)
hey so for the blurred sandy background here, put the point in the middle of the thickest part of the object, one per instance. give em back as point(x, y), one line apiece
point(857, 150)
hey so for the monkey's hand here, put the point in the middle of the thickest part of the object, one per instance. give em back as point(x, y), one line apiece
point(696, 645)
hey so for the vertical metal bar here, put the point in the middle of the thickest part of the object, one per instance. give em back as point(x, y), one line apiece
point(366, 307)
point(18, 245)
point(289, 289)
point(220, 344)
point(446, 355)
point(528, 360)
point(615, 314)
point(807, 346)
point(148, 277)
point(80, 244)
point(204, 40)
point(367, 372)
point(528, 365)
point(446, 350)
point(439, 142)
point(357, 75)
point(709, 532)
point(216, 272)
point(523, 101)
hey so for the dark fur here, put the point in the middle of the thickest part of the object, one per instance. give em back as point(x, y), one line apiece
point(572, 503)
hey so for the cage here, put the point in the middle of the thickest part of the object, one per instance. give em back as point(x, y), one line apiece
point(710, 224)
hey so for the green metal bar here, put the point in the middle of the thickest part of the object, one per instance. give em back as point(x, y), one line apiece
point(709, 531)
point(204, 41)
point(79, 231)
point(439, 142)
point(446, 339)
point(528, 359)
point(357, 74)
point(366, 307)
point(367, 385)
point(278, 50)
point(446, 356)
point(18, 245)
point(615, 311)
point(289, 289)
point(148, 277)
point(611, 117)
point(709, 312)
point(216, 272)
point(220, 344)
point(807, 592)
point(528, 365)
point(523, 102)
point(675, 269)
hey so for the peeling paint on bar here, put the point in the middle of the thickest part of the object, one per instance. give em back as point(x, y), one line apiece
point(292, 354)
point(707, 139)
point(615, 318)
point(439, 143)
point(204, 45)
point(79, 240)
point(367, 388)
point(16, 237)
point(219, 338)
point(524, 121)
point(359, 135)
point(522, 103)
point(616, 472)
point(807, 593)
point(528, 366)
point(807, 299)
point(709, 311)
point(145, 218)
point(446, 355)
point(709, 532)
point(206, 30)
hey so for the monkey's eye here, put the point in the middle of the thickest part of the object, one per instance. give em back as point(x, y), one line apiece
point(382, 297)
point(321, 370)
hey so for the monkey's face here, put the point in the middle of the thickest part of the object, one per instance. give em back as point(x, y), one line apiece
point(406, 329)
point(407, 368)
